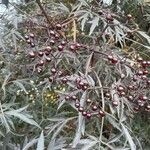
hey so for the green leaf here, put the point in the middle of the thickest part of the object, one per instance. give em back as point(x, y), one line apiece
point(84, 18)
point(22, 116)
point(31, 143)
point(4, 84)
point(94, 23)
point(128, 137)
point(144, 36)
point(40, 144)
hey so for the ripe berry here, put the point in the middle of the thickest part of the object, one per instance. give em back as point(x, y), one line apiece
point(144, 64)
point(48, 48)
point(77, 45)
point(48, 59)
point(26, 37)
point(32, 45)
point(41, 63)
point(120, 88)
point(148, 82)
point(64, 80)
point(94, 108)
point(53, 70)
point(60, 48)
point(47, 53)
point(50, 79)
point(63, 43)
point(31, 54)
point(84, 113)
point(28, 41)
point(110, 57)
point(115, 103)
point(80, 109)
point(143, 98)
point(139, 59)
point(88, 100)
point(140, 72)
point(57, 36)
point(84, 87)
point(77, 80)
point(67, 98)
point(108, 95)
point(72, 47)
point(40, 53)
point(139, 101)
point(143, 77)
point(129, 16)
point(141, 104)
point(145, 72)
point(122, 93)
point(81, 83)
point(39, 70)
point(148, 63)
point(130, 98)
point(148, 107)
point(73, 97)
point(88, 115)
point(77, 105)
point(31, 35)
point(101, 113)
point(52, 32)
point(52, 42)
point(58, 26)
point(109, 17)
point(114, 60)
point(100, 12)
point(130, 87)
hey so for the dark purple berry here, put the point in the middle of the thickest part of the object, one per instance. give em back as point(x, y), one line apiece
point(101, 113)
point(88, 115)
point(94, 107)
point(67, 98)
point(31, 54)
point(115, 103)
point(88, 100)
point(52, 42)
point(84, 113)
point(40, 53)
point(60, 48)
point(53, 70)
point(31, 35)
point(58, 26)
point(80, 109)
point(77, 105)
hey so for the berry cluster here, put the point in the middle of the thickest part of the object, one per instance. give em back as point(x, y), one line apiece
point(57, 47)
point(30, 39)
point(89, 109)
point(135, 88)
point(128, 87)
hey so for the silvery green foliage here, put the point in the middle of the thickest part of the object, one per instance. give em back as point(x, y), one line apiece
point(50, 131)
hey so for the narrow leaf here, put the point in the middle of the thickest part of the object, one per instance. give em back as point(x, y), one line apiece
point(40, 145)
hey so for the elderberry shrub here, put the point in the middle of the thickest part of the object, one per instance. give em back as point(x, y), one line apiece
point(131, 88)
point(87, 81)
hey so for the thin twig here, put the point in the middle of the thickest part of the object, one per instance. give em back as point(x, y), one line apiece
point(45, 14)
point(51, 24)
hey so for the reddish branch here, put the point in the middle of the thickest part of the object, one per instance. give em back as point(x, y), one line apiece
point(47, 18)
